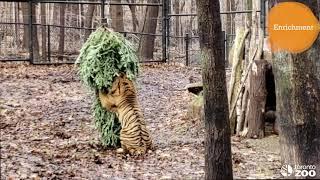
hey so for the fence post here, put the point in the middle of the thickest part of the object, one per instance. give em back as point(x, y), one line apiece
point(103, 19)
point(226, 53)
point(168, 28)
point(30, 32)
point(263, 15)
point(49, 48)
point(187, 39)
point(164, 30)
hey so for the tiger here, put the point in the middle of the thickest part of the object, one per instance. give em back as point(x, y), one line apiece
point(122, 99)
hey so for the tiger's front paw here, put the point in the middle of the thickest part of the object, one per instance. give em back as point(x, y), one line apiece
point(137, 151)
point(120, 151)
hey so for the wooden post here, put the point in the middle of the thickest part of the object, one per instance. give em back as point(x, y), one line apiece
point(257, 96)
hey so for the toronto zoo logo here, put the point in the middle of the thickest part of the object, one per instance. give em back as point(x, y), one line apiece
point(298, 170)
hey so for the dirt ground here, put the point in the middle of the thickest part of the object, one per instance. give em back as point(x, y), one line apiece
point(47, 129)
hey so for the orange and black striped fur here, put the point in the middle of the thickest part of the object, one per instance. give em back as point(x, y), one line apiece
point(122, 99)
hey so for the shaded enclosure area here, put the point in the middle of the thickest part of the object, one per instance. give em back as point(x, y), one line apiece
point(47, 129)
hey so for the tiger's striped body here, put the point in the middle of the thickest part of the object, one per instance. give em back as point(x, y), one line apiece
point(122, 100)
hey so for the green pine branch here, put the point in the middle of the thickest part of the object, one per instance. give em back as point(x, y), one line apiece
point(103, 56)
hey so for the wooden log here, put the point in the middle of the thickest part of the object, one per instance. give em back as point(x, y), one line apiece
point(257, 96)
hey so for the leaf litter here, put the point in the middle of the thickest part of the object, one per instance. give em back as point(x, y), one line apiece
point(47, 129)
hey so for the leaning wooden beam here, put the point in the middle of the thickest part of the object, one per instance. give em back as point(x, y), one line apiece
point(233, 106)
point(237, 54)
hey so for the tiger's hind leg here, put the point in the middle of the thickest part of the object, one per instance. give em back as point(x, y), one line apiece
point(123, 149)
point(137, 151)
point(133, 150)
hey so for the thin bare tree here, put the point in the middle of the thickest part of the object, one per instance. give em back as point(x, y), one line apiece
point(62, 32)
point(149, 27)
point(218, 162)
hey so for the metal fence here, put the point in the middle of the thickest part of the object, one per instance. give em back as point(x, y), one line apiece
point(190, 54)
point(43, 47)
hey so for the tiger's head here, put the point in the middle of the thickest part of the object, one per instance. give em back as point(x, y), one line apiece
point(122, 91)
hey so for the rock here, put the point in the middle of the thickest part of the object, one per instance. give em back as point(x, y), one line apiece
point(195, 88)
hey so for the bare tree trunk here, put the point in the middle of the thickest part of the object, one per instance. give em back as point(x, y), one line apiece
point(117, 17)
point(88, 20)
point(73, 10)
point(43, 31)
point(150, 25)
point(62, 34)
point(177, 19)
point(257, 98)
point(16, 19)
point(183, 27)
point(55, 12)
point(218, 163)
point(135, 21)
point(298, 105)
point(82, 15)
point(239, 19)
point(230, 24)
point(297, 82)
point(26, 32)
point(34, 35)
